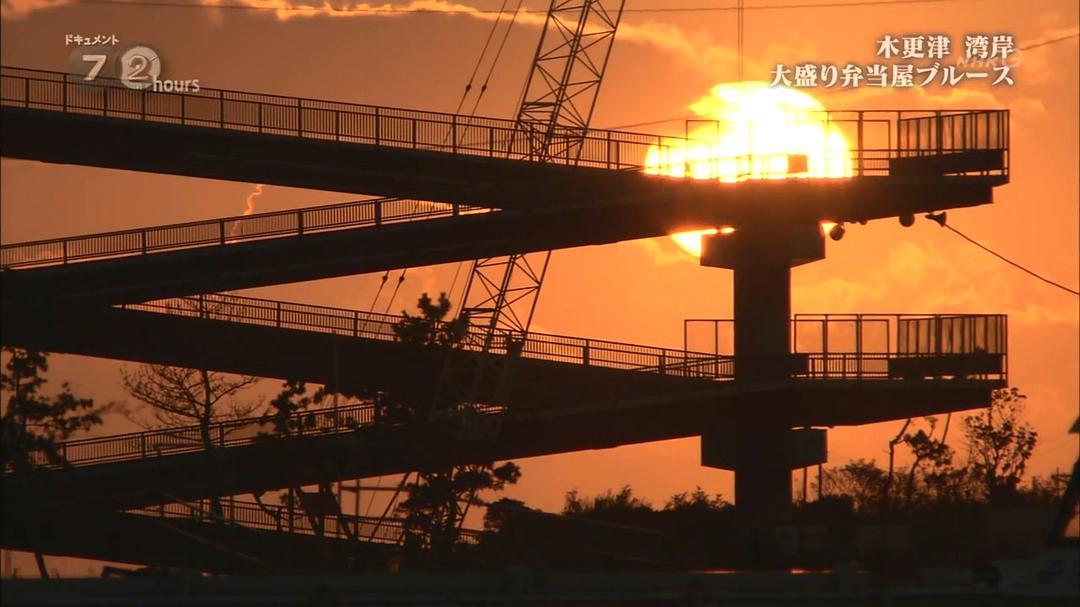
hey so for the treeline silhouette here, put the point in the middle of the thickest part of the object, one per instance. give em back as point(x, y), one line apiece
point(943, 509)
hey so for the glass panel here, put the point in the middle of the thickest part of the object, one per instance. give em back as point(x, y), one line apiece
point(808, 335)
point(841, 335)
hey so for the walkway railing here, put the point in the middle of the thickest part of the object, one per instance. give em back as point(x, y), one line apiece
point(931, 346)
point(854, 142)
point(231, 433)
point(364, 325)
point(316, 119)
point(274, 517)
point(226, 231)
point(382, 327)
point(879, 346)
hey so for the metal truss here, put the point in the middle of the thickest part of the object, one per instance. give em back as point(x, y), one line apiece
point(552, 123)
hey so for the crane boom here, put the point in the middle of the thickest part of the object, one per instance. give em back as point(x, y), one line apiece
point(556, 107)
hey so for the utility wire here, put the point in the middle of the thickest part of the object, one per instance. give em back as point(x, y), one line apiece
point(472, 114)
point(1051, 41)
point(461, 102)
point(480, 59)
point(494, 63)
point(1011, 262)
point(432, 11)
point(382, 284)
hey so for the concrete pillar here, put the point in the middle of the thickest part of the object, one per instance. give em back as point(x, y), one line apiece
point(761, 453)
point(762, 318)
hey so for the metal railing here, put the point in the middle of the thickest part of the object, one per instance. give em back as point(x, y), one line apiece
point(872, 139)
point(316, 119)
point(371, 325)
point(226, 231)
point(364, 325)
point(278, 518)
point(878, 346)
point(192, 439)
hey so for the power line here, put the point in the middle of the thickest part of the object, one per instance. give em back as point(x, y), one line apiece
point(431, 11)
point(1051, 41)
point(1011, 262)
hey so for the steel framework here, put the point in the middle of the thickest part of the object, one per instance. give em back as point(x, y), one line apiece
point(553, 119)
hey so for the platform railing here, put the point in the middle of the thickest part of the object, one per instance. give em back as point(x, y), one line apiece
point(337, 420)
point(382, 327)
point(279, 518)
point(873, 140)
point(879, 346)
point(226, 231)
point(863, 347)
point(230, 433)
point(318, 119)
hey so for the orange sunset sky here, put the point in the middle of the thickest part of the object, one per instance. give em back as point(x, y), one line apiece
point(634, 291)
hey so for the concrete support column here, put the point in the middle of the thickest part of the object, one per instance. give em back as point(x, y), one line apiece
point(762, 318)
point(761, 453)
point(763, 475)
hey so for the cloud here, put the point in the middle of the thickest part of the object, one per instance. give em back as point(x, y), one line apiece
point(927, 277)
point(697, 50)
point(664, 36)
point(17, 9)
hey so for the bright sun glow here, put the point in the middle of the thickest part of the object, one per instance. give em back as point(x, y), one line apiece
point(749, 130)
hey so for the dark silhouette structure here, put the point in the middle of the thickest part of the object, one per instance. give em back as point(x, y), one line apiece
point(485, 190)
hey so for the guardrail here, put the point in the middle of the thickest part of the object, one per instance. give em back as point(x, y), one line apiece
point(962, 346)
point(366, 325)
point(879, 346)
point(872, 140)
point(227, 230)
point(278, 518)
point(318, 119)
point(191, 439)
point(371, 325)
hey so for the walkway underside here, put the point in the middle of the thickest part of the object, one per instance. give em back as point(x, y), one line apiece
point(182, 543)
point(354, 365)
point(232, 264)
point(381, 450)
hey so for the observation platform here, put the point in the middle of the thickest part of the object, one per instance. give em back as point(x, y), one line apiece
point(570, 394)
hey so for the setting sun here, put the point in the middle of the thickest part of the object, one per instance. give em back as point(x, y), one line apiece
point(749, 130)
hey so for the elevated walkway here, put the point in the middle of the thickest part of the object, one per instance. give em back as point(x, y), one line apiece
point(244, 537)
point(570, 394)
point(374, 150)
point(322, 242)
point(618, 188)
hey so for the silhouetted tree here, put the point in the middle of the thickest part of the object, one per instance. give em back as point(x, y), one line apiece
point(439, 499)
point(293, 398)
point(862, 481)
point(180, 396)
point(33, 424)
point(430, 327)
point(610, 506)
point(1000, 444)
point(500, 512)
point(695, 501)
point(933, 464)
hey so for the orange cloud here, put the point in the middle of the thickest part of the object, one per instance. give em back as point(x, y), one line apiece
point(16, 9)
